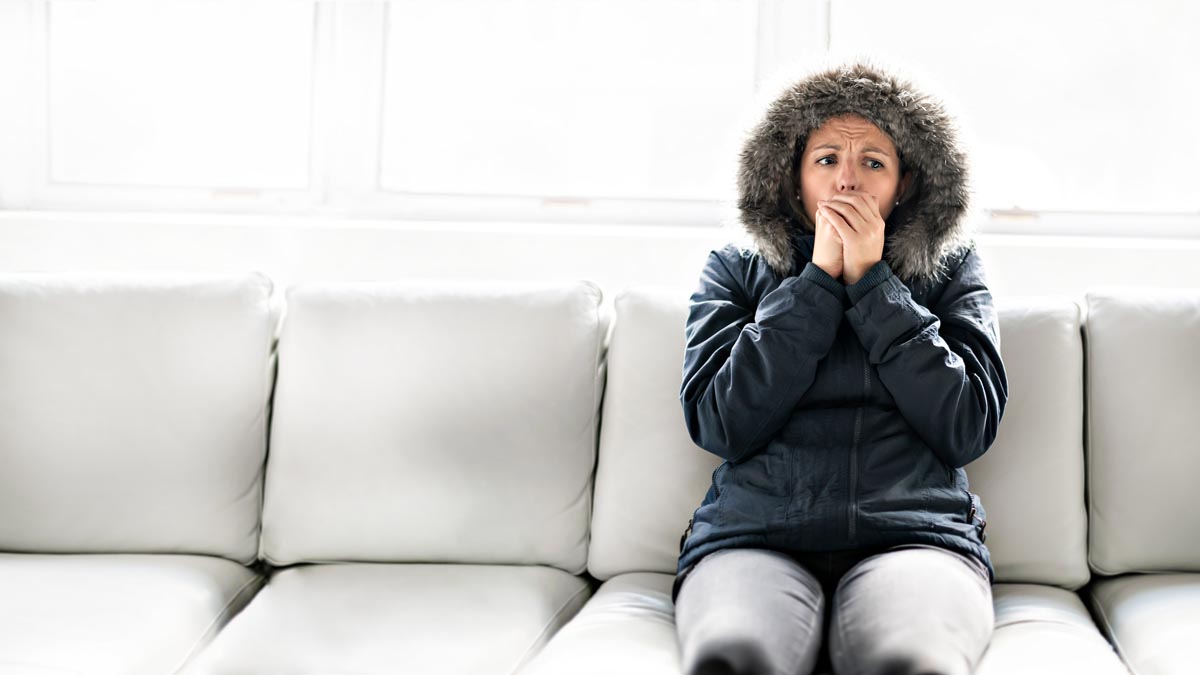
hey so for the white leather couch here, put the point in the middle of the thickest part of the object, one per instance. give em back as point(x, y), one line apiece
point(493, 479)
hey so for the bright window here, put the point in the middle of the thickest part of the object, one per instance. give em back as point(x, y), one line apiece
point(179, 93)
point(589, 98)
point(1075, 106)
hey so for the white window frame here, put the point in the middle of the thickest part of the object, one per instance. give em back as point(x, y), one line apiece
point(350, 37)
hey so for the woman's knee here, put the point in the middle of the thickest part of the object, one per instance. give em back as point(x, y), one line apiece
point(911, 611)
point(906, 661)
point(903, 654)
point(732, 656)
point(749, 611)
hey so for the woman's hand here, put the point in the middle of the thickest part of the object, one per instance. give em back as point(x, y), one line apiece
point(827, 249)
point(854, 215)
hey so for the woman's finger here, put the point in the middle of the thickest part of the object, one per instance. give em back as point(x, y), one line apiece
point(833, 214)
point(854, 199)
point(830, 229)
point(848, 214)
point(839, 223)
point(863, 204)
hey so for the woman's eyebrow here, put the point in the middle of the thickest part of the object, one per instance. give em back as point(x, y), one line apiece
point(869, 148)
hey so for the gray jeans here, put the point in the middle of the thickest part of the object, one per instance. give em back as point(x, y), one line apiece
point(907, 609)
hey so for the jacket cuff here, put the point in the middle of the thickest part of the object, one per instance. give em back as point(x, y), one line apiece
point(876, 275)
point(821, 278)
point(881, 319)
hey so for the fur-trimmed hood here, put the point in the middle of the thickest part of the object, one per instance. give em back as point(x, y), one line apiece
point(927, 227)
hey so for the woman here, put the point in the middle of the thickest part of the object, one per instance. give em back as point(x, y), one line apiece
point(846, 367)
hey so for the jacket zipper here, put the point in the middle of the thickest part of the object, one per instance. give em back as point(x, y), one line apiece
point(853, 507)
point(716, 490)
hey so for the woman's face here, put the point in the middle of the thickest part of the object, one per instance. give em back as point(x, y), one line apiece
point(849, 153)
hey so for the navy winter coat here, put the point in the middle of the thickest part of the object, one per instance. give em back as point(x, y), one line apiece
point(844, 414)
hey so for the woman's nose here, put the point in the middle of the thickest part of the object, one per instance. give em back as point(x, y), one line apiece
point(848, 177)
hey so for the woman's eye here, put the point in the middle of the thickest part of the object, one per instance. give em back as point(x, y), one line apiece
point(875, 164)
point(823, 162)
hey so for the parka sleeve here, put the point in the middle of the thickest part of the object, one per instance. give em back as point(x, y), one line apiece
point(943, 367)
point(745, 367)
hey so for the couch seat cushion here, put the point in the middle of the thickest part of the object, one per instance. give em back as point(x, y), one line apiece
point(1042, 629)
point(629, 627)
point(118, 614)
point(1154, 619)
point(368, 618)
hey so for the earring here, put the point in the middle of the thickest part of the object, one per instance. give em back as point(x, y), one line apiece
point(897, 202)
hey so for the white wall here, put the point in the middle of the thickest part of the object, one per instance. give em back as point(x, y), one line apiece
point(296, 250)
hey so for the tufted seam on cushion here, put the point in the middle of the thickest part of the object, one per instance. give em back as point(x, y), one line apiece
point(222, 617)
point(1110, 633)
point(542, 637)
point(1055, 622)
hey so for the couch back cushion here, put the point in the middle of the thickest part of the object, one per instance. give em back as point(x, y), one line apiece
point(435, 422)
point(651, 477)
point(133, 413)
point(1031, 480)
point(1143, 447)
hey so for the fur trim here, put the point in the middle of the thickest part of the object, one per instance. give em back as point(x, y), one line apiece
point(929, 225)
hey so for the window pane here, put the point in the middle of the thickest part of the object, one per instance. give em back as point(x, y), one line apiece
point(620, 98)
point(1080, 106)
point(180, 93)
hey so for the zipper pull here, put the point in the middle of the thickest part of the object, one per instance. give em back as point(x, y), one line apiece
point(686, 533)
